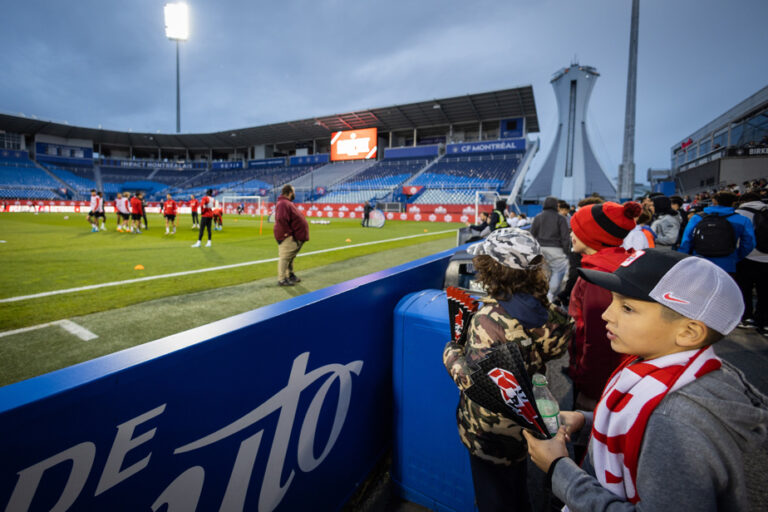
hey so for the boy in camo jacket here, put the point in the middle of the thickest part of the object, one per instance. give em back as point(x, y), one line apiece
point(510, 266)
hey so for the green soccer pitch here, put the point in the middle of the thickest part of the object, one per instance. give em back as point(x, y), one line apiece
point(48, 257)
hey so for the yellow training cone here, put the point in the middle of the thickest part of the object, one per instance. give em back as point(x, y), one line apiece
point(425, 230)
point(348, 240)
point(138, 267)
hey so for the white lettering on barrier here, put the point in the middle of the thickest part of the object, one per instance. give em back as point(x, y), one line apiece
point(81, 456)
point(125, 442)
point(183, 493)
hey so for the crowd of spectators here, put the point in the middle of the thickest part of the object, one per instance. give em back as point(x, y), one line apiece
point(648, 286)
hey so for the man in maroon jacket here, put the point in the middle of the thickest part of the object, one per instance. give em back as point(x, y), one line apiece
point(291, 231)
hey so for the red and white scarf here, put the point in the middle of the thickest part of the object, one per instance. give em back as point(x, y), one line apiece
point(632, 393)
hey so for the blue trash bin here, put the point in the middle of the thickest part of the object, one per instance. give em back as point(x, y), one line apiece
point(430, 465)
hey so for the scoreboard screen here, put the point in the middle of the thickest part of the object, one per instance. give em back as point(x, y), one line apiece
point(354, 144)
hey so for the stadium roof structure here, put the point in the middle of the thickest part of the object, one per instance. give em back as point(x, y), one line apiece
point(470, 108)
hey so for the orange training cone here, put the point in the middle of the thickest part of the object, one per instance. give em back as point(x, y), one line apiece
point(348, 240)
point(138, 267)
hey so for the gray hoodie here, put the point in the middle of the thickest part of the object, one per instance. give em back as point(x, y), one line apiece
point(705, 448)
point(666, 227)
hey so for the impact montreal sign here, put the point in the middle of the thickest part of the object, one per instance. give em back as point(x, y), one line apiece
point(133, 451)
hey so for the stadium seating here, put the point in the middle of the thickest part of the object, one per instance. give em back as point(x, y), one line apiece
point(81, 185)
point(352, 196)
point(487, 172)
point(331, 174)
point(384, 174)
point(27, 193)
point(26, 177)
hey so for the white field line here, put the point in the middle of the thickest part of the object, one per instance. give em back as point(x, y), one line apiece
point(68, 325)
point(210, 269)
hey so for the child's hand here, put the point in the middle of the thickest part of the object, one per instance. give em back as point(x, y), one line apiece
point(573, 422)
point(543, 452)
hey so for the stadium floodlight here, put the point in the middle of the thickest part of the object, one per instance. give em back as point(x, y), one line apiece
point(177, 29)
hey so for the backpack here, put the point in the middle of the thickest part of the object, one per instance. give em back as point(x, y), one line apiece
point(760, 222)
point(713, 236)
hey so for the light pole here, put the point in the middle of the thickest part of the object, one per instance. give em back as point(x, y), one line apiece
point(177, 29)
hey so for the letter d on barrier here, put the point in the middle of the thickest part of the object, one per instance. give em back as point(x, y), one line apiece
point(81, 455)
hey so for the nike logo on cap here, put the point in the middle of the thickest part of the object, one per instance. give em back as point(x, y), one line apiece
point(668, 296)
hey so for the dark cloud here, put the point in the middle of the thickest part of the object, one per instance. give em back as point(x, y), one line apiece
point(248, 63)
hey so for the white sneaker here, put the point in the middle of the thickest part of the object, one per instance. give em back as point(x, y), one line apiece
point(197, 244)
point(208, 244)
point(166, 232)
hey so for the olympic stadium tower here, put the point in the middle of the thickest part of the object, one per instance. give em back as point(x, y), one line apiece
point(571, 171)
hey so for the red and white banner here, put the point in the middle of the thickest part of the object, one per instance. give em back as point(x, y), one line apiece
point(412, 190)
point(420, 212)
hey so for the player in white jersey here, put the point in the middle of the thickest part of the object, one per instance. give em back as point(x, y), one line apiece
point(93, 211)
point(123, 212)
point(100, 212)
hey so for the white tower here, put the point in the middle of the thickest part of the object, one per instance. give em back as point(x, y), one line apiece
point(571, 171)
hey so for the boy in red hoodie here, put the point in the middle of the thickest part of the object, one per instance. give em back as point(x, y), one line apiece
point(597, 232)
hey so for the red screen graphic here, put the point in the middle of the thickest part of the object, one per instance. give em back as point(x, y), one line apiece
point(354, 144)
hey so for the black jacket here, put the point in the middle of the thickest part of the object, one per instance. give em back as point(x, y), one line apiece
point(550, 228)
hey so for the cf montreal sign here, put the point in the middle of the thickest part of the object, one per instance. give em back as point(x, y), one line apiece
point(170, 457)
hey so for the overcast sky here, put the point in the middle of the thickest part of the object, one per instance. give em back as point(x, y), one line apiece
point(107, 63)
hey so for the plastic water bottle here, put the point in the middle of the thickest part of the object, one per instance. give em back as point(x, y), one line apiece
point(546, 403)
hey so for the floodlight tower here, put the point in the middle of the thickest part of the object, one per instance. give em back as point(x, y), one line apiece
point(627, 167)
point(177, 29)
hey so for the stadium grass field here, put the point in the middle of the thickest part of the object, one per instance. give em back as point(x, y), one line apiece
point(48, 252)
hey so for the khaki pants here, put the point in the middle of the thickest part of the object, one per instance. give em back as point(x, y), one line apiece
point(287, 251)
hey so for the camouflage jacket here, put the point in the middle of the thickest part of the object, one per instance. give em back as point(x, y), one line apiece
point(486, 434)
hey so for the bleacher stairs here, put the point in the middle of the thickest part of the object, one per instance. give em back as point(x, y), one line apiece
point(423, 170)
point(329, 175)
point(66, 185)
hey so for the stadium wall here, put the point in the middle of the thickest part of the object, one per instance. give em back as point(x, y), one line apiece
point(285, 407)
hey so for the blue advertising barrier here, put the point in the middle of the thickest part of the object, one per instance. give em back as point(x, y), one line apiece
point(411, 152)
point(490, 146)
point(285, 407)
point(227, 165)
point(266, 162)
point(321, 158)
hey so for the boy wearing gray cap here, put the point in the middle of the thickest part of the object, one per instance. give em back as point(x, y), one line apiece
point(676, 428)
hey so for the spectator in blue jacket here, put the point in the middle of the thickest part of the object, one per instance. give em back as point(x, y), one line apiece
point(722, 204)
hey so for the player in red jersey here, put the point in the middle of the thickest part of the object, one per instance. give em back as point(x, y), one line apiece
point(193, 205)
point(169, 210)
point(206, 216)
point(136, 209)
point(217, 215)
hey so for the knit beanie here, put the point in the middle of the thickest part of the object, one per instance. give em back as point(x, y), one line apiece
point(662, 204)
point(604, 225)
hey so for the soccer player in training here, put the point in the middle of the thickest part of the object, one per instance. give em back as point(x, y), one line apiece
point(169, 210)
point(92, 219)
point(217, 215)
point(193, 204)
point(100, 212)
point(122, 204)
point(206, 214)
point(143, 209)
point(136, 210)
